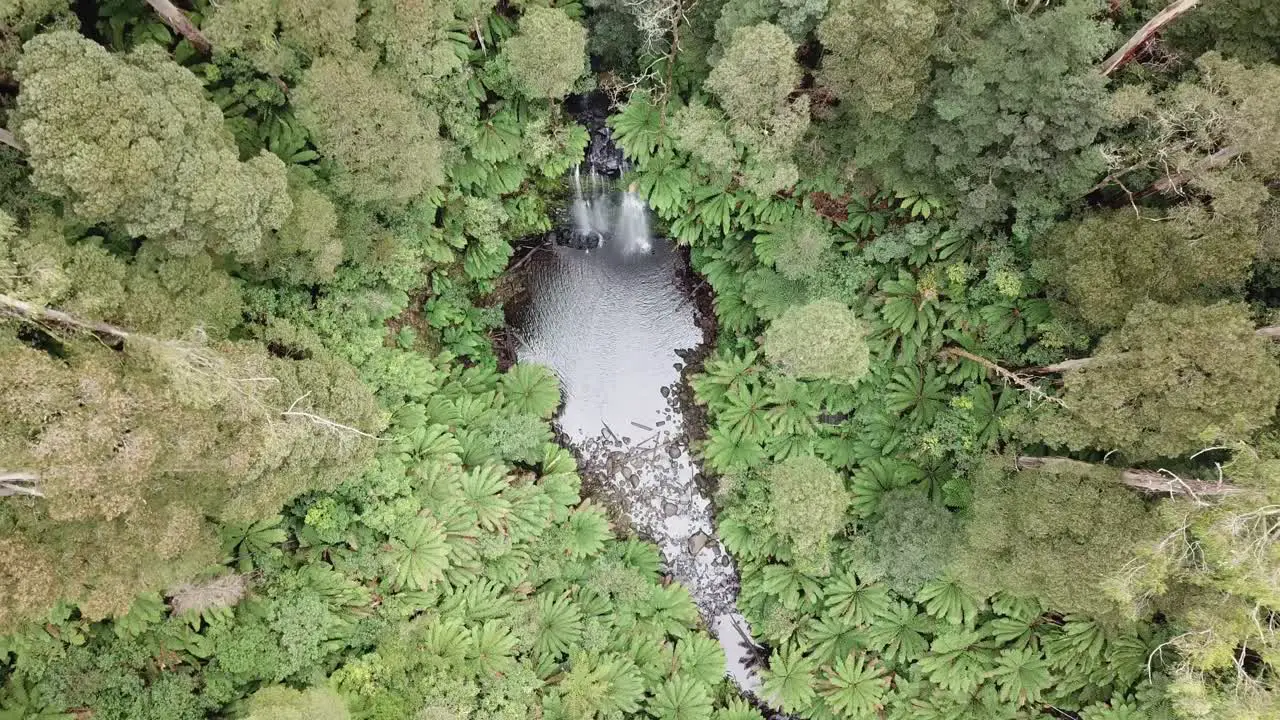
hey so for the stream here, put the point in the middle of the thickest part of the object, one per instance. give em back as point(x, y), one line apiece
point(610, 309)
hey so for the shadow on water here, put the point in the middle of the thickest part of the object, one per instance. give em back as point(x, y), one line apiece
point(609, 310)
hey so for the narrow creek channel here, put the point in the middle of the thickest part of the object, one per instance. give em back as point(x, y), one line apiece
point(609, 308)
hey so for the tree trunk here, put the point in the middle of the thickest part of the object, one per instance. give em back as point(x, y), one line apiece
point(1173, 182)
point(35, 313)
point(1153, 26)
point(7, 138)
point(1147, 480)
point(1061, 367)
point(19, 483)
point(174, 18)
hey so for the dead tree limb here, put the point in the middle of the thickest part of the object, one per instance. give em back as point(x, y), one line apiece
point(1145, 33)
point(35, 313)
point(1005, 374)
point(19, 483)
point(1153, 481)
point(1174, 181)
point(7, 138)
point(181, 24)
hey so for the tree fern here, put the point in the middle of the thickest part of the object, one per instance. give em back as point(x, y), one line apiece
point(745, 412)
point(481, 488)
point(681, 698)
point(726, 451)
point(557, 625)
point(492, 647)
point(418, 555)
point(737, 709)
point(532, 389)
point(1022, 674)
point(831, 637)
point(856, 601)
point(855, 687)
point(587, 531)
point(958, 661)
point(943, 598)
point(700, 657)
point(638, 128)
point(243, 541)
point(789, 681)
point(898, 633)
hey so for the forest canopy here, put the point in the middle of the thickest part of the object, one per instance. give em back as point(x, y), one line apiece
point(987, 399)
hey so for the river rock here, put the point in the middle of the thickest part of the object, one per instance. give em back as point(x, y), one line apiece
point(669, 509)
point(697, 542)
point(666, 391)
point(673, 451)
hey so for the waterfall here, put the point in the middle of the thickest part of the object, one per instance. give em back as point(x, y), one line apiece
point(603, 215)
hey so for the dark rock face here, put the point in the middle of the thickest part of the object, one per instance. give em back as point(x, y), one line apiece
point(602, 155)
point(576, 239)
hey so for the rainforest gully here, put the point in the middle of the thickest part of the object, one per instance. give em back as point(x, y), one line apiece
point(657, 359)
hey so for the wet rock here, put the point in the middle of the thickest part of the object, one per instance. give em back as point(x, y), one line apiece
point(669, 509)
point(666, 391)
point(633, 479)
point(673, 451)
point(697, 542)
point(678, 366)
point(660, 423)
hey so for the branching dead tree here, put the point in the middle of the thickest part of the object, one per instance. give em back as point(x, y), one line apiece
point(181, 24)
point(1154, 481)
point(1007, 375)
point(1145, 33)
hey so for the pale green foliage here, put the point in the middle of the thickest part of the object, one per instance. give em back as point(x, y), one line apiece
point(809, 502)
point(385, 147)
point(19, 19)
point(756, 75)
point(248, 28)
point(318, 26)
point(1108, 262)
point(908, 543)
point(1051, 534)
point(821, 340)
point(1170, 381)
point(753, 83)
point(131, 140)
point(703, 132)
point(548, 54)
point(1172, 134)
point(155, 293)
point(801, 246)
point(135, 451)
point(278, 702)
point(876, 54)
point(409, 36)
point(308, 247)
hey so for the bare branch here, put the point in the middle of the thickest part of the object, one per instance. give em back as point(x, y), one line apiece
point(181, 24)
point(324, 422)
point(1007, 375)
point(1145, 33)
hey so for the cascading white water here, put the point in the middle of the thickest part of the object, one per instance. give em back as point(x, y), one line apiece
point(602, 214)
